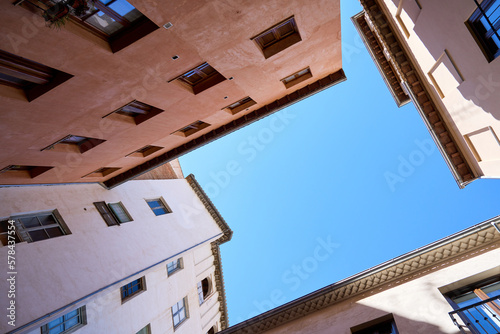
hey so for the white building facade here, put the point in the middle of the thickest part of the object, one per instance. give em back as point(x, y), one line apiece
point(140, 258)
point(443, 56)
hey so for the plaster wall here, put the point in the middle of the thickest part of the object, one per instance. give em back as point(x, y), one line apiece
point(465, 86)
point(416, 304)
point(55, 272)
point(217, 32)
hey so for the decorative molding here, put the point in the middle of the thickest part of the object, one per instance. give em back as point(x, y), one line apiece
point(456, 248)
point(227, 235)
point(411, 81)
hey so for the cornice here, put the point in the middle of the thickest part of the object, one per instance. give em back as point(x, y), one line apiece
point(227, 235)
point(412, 82)
point(458, 247)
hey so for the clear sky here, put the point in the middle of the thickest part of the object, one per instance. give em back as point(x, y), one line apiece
point(330, 186)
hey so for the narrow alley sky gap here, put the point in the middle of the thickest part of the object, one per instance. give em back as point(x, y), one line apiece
point(330, 186)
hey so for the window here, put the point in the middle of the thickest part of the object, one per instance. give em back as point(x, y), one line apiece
point(203, 290)
point(477, 306)
point(191, 129)
point(200, 78)
point(278, 37)
point(158, 206)
point(212, 330)
point(484, 24)
point(145, 330)
point(240, 105)
point(82, 143)
point(113, 213)
point(133, 288)
point(179, 312)
point(35, 227)
point(67, 323)
point(31, 171)
point(297, 77)
point(115, 21)
point(174, 266)
point(102, 172)
point(145, 151)
point(31, 77)
point(139, 111)
point(384, 325)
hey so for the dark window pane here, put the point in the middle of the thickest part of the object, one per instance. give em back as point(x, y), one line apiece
point(54, 232)
point(38, 235)
point(47, 219)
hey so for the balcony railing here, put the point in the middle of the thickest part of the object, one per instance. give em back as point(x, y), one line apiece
point(479, 318)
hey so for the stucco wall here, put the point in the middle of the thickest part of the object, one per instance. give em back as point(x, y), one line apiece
point(462, 82)
point(55, 272)
point(417, 305)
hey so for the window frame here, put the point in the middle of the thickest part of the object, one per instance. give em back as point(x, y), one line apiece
point(295, 78)
point(102, 172)
point(145, 330)
point(179, 265)
point(240, 105)
point(108, 214)
point(33, 171)
point(373, 326)
point(126, 296)
point(145, 151)
point(191, 129)
point(163, 206)
point(83, 145)
point(280, 43)
point(138, 111)
point(186, 312)
point(36, 79)
point(22, 233)
point(81, 313)
point(475, 27)
point(205, 82)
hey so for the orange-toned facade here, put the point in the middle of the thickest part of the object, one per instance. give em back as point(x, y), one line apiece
point(218, 33)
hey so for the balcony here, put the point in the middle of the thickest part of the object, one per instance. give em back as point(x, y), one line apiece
point(478, 318)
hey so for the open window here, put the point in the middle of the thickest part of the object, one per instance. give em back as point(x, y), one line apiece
point(29, 171)
point(83, 144)
point(200, 78)
point(204, 289)
point(138, 111)
point(383, 325)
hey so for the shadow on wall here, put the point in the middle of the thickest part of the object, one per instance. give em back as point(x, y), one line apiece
point(351, 316)
point(468, 69)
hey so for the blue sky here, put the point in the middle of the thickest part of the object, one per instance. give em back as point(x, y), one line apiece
point(330, 186)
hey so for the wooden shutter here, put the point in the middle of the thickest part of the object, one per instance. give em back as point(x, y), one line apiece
point(106, 213)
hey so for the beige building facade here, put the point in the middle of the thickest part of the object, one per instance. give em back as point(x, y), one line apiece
point(450, 286)
point(141, 258)
point(442, 55)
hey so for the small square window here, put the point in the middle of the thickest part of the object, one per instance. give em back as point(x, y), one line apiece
point(297, 77)
point(200, 78)
point(139, 111)
point(133, 288)
point(31, 171)
point(278, 37)
point(158, 206)
point(34, 227)
point(113, 213)
point(33, 78)
point(240, 105)
point(145, 151)
point(384, 325)
point(102, 172)
point(145, 330)
point(67, 323)
point(82, 143)
point(484, 25)
point(174, 266)
point(191, 129)
point(179, 312)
